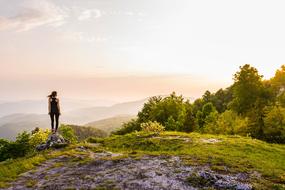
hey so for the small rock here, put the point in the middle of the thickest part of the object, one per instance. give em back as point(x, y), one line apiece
point(41, 147)
point(243, 187)
point(54, 141)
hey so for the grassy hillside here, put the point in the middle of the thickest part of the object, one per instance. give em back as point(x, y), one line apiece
point(110, 124)
point(225, 153)
point(83, 132)
point(257, 163)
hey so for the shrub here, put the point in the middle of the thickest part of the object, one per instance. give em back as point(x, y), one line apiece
point(206, 115)
point(274, 125)
point(229, 123)
point(18, 148)
point(152, 127)
point(39, 137)
point(68, 133)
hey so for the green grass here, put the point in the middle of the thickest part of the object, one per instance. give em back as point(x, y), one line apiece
point(31, 183)
point(232, 153)
point(11, 169)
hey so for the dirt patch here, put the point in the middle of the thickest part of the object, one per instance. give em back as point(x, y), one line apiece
point(185, 139)
point(211, 141)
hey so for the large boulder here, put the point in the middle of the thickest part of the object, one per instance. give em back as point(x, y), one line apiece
point(54, 140)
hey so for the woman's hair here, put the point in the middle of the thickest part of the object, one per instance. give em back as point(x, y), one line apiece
point(53, 94)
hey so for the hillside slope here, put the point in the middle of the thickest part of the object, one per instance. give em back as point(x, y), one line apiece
point(86, 115)
point(110, 124)
point(150, 161)
point(14, 124)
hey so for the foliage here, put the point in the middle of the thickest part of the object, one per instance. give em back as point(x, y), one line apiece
point(128, 127)
point(190, 123)
point(239, 109)
point(82, 132)
point(246, 89)
point(277, 85)
point(68, 133)
point(274, 122)
point(173, 112)
point(24, 144)
point(206, 114)
point(171, 106)
point(18, 148)
point(39, 137)
point(229, 123)
point(278, 81)
point(220, 100)
point(152, 127)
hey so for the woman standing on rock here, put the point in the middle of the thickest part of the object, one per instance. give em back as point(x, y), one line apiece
point(53, 110)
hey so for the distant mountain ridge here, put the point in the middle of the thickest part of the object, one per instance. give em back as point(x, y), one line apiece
point(86, 115)
point(111, 124)
point(13, 124)
point(40, 106)
point(107, 118)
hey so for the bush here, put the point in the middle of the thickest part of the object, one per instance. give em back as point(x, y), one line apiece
point(274, 125)
point(206, 115)
point(39, 136)
point(229, 123)
point(152, 127)
point(68, 133)
point(18, 148)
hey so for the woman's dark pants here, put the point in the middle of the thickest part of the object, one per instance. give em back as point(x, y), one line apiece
point(52, 117)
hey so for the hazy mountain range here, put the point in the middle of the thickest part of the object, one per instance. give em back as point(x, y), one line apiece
point(87, 115)
point(112, 116)
point(111, 124)
point(16, 117)
point(40, 106)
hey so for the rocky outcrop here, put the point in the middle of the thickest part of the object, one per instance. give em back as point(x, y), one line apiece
point(107, 170)
point(54, 140)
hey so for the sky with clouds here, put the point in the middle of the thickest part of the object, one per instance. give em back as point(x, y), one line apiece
point(129, 49)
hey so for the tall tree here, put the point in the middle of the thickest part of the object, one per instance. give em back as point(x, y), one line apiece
point(247, 88)
point(277, 84)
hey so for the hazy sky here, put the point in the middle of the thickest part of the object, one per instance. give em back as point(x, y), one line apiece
point(129, 49)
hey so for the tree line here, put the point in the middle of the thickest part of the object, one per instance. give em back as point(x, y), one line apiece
point(251, 106)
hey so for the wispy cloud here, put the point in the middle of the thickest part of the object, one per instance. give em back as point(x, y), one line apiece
point(88, 14)
point(32, 14)
point(84, 37)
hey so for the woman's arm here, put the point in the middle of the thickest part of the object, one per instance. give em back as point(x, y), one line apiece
point(49, 107)
point(58, 106)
